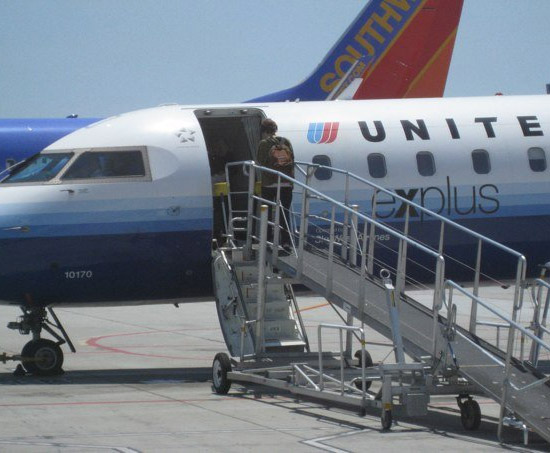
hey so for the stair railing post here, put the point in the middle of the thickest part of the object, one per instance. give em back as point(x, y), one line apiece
point(353, 237)
point(518, 302)
point(441, 238)
point(539, 325)
point(392, 302)
point(372, 236)
point(320, 353)
point(402, 258)
point(361, 291)
point(344, 237)
point(250, 220)
point(342, 360)
point(277, 215)
point(345, 226)
point(261, 280)
point(473, 310)
point(328, 284)
point(303, 227)
point(536, 291)
point(439, 294)
point(353, 262)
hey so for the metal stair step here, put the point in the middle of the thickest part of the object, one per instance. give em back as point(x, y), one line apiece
point(272, 293)
point(281, 329)
point(247, 274)
point(283, 343)
point(273, 310)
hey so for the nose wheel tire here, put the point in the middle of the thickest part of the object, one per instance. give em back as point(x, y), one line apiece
point(220, 367)
point(42, 357)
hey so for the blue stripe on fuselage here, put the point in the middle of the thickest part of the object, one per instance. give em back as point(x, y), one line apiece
point(105, 217)
point(106, 268)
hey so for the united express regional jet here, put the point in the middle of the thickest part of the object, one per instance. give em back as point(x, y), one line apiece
point(121, 212)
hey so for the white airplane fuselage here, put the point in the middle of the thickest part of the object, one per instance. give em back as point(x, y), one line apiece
point(131, 240)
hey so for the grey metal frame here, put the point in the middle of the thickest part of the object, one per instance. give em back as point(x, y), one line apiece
point(513, 326)
point(352, 216)
point(352, 242)
point(538, 324)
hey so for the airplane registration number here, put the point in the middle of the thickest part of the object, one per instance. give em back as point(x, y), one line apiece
point(74, 275)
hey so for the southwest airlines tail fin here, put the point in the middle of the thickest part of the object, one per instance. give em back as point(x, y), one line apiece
point(393, 49)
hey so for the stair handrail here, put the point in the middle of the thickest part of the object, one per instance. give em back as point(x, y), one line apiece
point(513, 326)
point(540, 316)
point(382, 226)
point(251, 168)
point(415, 205)
point(403, 239)
point(341, 205)
point(521, 264)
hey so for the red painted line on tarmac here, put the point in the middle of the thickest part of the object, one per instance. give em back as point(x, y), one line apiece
point(95, 343)
point(158, 346)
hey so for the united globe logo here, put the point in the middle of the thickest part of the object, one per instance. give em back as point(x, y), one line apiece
point(322, 132)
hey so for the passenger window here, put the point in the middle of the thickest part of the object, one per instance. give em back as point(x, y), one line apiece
point(537, 159)
point(377, 165)
point(481, 161)
point(322, 174)
point(107, 164)
point(425, 163)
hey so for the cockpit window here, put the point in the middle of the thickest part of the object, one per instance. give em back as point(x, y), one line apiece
point(106, 164)
point(39, 168)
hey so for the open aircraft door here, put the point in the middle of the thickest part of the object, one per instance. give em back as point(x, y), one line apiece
point(231, 135)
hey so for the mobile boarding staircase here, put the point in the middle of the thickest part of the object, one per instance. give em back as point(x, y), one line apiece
point(460, 342)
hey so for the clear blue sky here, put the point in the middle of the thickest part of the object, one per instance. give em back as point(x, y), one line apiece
point(103, 57)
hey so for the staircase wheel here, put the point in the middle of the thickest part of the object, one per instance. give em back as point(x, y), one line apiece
point(220, 367)
point(368, 363)
point(386, 419)
point(470, 415)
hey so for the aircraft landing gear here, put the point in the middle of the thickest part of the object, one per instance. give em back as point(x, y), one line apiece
point(40, 356)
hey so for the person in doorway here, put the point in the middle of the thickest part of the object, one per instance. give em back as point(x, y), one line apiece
point(277, 154)
point(218, 156)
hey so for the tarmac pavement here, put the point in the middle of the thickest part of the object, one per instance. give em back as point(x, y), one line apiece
point(141, 382)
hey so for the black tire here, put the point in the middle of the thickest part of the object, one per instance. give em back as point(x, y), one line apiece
point(42, 357)
point(220, 367)
point(386, 419)
point(470, 415)
point(368, 363)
